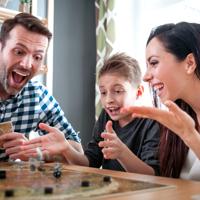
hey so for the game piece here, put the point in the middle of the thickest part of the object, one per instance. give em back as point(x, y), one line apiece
point(35, 164)
point(17, 161)
point(48, 190)
point(2, 174)
point(3, 156)
point(32, 164)
point(85, 183)
point(9, 193)
point(41, 168)
point(57, 166)
point(17, 164)
point(57, 173)
point(107, 179)
point(32, 167)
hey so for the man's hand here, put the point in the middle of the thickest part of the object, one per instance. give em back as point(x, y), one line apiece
point(12, 143)
point(51, 145)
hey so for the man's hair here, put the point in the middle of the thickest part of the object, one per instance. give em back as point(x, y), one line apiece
point(124, 66)
point(28, 21)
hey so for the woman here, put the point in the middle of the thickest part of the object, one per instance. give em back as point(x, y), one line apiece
point(173, 71)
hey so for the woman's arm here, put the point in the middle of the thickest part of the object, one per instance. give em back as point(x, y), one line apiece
point(175, 119)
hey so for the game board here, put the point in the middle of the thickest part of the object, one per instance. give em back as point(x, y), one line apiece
point(21, 183)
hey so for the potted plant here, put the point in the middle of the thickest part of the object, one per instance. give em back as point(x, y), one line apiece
point(24, 6)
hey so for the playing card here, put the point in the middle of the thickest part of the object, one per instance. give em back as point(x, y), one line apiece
point(6, 127)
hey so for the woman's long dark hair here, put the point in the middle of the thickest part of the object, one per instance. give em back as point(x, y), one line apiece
point(173, 151)
point(180, 40)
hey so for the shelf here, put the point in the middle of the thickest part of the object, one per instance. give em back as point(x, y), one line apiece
point(6, 13)
point(48, 20)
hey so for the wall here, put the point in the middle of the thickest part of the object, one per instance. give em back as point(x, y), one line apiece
point(74, 63)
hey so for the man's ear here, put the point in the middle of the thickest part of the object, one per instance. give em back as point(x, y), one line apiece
point(140, 91)
point(190, 63)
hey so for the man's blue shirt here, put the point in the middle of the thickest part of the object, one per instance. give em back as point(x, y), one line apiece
point(32, 105)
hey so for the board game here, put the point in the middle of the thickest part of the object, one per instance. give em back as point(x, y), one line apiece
point(22, 181)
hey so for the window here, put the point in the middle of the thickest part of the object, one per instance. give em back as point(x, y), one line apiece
point(136, 18)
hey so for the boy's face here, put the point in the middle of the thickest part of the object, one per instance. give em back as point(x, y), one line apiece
point(117, 92)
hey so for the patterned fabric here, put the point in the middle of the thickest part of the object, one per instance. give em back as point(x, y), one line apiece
point(105, 36)
point(32, 105)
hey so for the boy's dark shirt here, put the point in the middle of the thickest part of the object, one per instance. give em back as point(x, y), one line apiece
point(141, 136)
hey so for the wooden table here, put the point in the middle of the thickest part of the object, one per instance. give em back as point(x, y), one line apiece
point(22, 180)
point(178, 188)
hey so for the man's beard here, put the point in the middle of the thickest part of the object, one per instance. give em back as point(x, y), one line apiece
point(4, 83)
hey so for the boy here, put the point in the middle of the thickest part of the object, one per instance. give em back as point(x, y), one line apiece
point(120, 142)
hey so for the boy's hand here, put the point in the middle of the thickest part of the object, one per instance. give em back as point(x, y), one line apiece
point(112, 146)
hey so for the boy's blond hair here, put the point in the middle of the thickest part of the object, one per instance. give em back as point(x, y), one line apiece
point(125, 66)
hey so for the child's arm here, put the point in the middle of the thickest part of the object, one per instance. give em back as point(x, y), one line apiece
point(114, 148)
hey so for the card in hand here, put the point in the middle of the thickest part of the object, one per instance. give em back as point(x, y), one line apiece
point(6, 127)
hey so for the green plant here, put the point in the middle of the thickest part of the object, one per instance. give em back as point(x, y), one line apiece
point(24, 1)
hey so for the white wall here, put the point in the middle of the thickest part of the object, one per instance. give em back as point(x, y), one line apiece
point(136, 18)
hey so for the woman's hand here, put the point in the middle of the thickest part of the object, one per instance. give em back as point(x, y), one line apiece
point(174, 118)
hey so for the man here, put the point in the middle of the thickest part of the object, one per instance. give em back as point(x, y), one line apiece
point(24, 41)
